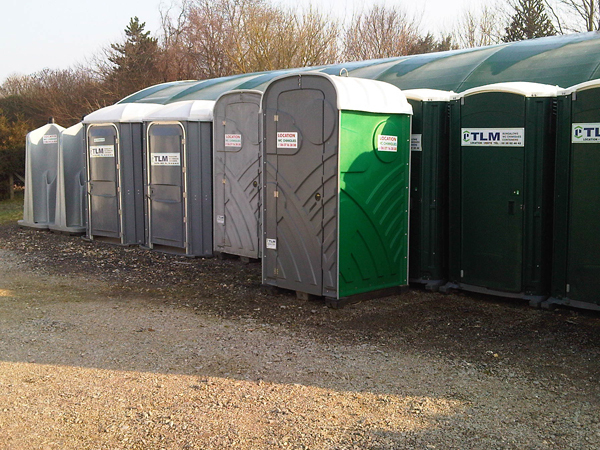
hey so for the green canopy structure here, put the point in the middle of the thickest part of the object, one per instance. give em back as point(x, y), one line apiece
point(557, 60)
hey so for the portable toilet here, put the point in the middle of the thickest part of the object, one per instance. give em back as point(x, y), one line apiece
point(336, 155)
point(70, 182)
point(115, 180)
point(501, 179)
point(178, 178)
point(236, 168)
point(576, 251)
point(429, 187)
point(41, 163)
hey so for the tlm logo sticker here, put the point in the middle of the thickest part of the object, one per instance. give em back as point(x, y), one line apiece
point(165, 159)
point(585, 133)
point(504, 137)
point(481, 136)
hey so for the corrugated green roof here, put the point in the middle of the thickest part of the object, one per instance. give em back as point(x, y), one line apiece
point(562, 61)
point(558, 60)
point(158, 93)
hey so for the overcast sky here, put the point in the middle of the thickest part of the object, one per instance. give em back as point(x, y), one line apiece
point(38, 34)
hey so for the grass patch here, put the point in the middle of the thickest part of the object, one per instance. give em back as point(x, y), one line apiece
point(11, 210)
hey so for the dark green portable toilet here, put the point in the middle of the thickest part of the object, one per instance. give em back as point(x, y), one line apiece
point(336, 154)
point(178, 178)
point(236, 168)
point(501, 181)
point(429, 187)
point(576, 252)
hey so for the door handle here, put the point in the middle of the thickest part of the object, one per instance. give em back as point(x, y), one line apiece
point(511, 207)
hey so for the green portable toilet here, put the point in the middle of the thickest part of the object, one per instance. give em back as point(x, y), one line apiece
point(336, 155)
point(429, 187)
point(501, 179)
point(576, 251)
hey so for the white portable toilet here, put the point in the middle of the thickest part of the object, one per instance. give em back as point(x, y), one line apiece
point(41, 163)
point(178, 178)
point(115, 182)
point(70, 182)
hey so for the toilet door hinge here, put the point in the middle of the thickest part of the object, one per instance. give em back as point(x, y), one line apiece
point(276, 118)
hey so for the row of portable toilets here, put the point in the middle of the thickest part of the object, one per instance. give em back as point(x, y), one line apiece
point(324, 178)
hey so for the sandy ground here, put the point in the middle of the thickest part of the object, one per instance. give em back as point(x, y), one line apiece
point(93, 358)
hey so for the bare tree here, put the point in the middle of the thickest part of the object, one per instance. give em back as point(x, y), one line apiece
point(212, 38)
point(176, 61)
point(480, 28)
point(381, 32)
point(575, 15)
point(318, 35)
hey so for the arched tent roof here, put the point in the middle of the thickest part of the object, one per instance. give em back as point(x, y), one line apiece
point(158, 93)
point(211, 89)
point(557, 60)
point(561, 60)
point(445, 71)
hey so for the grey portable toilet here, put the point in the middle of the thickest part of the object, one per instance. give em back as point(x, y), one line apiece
point(336, 172)
point(70, 185)
point(429, 187)
point(576, 246)
point(115, 182)
point(502, 141)
point(178, 178)
point(41, 164)
point(236, 168)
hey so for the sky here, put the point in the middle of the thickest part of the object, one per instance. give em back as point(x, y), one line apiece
point(59, 34)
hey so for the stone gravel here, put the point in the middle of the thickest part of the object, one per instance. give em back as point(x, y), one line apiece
point(106, 347)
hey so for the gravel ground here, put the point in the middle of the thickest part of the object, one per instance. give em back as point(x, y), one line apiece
point(106, 347)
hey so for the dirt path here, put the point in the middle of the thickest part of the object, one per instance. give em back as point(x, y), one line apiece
point(94, 359)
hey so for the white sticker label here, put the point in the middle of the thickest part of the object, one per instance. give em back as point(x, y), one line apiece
point(98, 140)
point(387, 143)
point(50, 139)
point(102, 151)
point(165, 159)
point(502, 137)
point(272, 244)
point(287, 140)
point(415, 142)
point(221, 220)
point(233, 140)
point(585, 133)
